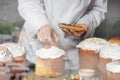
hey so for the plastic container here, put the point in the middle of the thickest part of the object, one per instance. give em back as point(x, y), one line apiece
point(87, 74)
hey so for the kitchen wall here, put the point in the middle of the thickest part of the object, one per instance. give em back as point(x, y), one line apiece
point(111, 25)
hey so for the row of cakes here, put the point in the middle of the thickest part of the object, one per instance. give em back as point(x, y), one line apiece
point(89, 49)
point(49, 62)
point(50, 59)
point(11, 52)
point(97, 54)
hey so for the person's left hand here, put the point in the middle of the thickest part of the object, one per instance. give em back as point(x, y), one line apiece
point(75, 33)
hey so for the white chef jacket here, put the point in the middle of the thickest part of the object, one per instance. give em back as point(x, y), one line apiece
point(37, 13)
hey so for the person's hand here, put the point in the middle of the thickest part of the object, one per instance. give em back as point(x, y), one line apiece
point(47, 34)
point(75, 33)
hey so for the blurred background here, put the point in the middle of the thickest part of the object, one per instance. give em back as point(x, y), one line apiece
point(11, 23)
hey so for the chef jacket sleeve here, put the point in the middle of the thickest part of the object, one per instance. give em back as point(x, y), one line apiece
point(94, 16)
point(33, 13)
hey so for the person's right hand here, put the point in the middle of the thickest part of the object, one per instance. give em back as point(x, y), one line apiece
point(47, 34)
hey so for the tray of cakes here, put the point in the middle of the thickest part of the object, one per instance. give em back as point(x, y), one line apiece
point(12, 60)
point(50, 61)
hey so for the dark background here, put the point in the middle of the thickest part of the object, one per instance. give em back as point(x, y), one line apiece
point(110, 27)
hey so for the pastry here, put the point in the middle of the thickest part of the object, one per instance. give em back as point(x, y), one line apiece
point(50, 62)
point(113, 70)
point(75, 27)
point(115, 40)
point(89, 52)
point(18, 52)
point(5, 56)
point(108, 53)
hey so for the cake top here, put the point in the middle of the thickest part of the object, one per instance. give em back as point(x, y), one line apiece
point(92, 44)
point(115, 40)
point(15, 49)
point(87, 70)
point(50, 52)
point(113, 67)
point(5, 55)
point(111, 51)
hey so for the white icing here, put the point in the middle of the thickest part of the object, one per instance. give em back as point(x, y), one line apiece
point(52, 52)
point(5, 55)
point(92, 44)
point(113, 67)
point(110, 51)
point(15, 49)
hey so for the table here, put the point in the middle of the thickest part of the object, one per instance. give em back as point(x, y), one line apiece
point(29, 75)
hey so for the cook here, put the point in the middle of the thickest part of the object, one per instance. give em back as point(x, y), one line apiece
point(43, 16)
